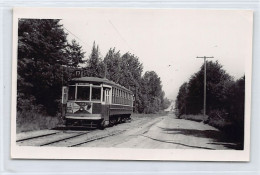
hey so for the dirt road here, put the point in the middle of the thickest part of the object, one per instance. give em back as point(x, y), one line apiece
point(164, 132)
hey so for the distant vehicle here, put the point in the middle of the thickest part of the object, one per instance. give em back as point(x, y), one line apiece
point(96, 102)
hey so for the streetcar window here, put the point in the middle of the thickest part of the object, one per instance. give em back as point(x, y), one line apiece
point(83, 92)
point(112, 91)
point(96, 93)
point(71, 93)
point(120, 95)
point(117, 96)
point(124, 97)
point(113, 95)
point(103, 94)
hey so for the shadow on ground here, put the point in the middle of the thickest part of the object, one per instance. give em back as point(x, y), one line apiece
point(218, 137)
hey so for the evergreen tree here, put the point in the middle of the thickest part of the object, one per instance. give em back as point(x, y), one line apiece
point(112, 61)
point(95, 67)
point(41, 52)
point(75, 54)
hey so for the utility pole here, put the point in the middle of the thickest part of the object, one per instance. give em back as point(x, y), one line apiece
point(205, 75)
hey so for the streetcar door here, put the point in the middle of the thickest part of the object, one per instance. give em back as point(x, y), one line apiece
point(64, 99)
point(106, 101)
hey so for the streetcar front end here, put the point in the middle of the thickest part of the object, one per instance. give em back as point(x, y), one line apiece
point(83, 105)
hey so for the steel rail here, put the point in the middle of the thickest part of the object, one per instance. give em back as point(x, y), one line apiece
point(29, 138)
point(97, 138)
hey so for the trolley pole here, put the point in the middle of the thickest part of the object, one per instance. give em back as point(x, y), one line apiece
point(205, 81)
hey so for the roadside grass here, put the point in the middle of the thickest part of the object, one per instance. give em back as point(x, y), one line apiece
point(30, 120)
point(197, 118)
point(141, 115)
point(216, 122)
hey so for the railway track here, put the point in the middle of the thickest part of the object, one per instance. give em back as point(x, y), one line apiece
point(34, 137)
point(65, 139)
point(97, 138)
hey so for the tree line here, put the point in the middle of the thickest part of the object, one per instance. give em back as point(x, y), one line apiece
point(225, 98)
point(47, 60)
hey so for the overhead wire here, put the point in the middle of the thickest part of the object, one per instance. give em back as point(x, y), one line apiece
point(114, 27)
point(76, 37)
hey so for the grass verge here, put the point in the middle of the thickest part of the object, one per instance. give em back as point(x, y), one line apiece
point(29, 120)
point(137, 115)
point(197, 118)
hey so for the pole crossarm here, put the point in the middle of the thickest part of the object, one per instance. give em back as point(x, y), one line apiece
point(205, 57)
point(204, 104)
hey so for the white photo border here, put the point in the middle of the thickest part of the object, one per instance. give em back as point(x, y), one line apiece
point(22, 167)
point(120, 153)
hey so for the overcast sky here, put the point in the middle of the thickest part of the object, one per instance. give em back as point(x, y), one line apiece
point(167, 41)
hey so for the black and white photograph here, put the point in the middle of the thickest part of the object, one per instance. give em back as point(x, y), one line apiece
point(131, 84)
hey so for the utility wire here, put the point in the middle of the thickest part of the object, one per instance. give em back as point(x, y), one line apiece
point(76, 36)
point(119, 34)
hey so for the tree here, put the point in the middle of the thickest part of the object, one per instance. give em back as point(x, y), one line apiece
point(125, 70)
point(41, 40)
point(152, 83)
point(131, 70)
point(95, 66)
point(75, 54)
point(181, 101)
point(112, 61)
point(217, 78)
point(41, 54)
point(152, 94)
point(236, 107)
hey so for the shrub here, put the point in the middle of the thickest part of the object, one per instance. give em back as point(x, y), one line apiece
point(218, 119)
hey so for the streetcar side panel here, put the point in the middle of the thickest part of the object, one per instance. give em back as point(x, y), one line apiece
point(116, 109)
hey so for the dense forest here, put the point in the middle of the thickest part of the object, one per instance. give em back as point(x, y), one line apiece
point(225, 99)
point(47, 60)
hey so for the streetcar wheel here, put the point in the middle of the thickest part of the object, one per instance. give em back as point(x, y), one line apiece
point(119, 120)
point(102, 125)
point(67, 122)
point(112, 122)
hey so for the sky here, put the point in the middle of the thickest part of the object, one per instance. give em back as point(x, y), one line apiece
point(167, 41)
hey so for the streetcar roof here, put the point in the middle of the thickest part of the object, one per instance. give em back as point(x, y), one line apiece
point(99, 80)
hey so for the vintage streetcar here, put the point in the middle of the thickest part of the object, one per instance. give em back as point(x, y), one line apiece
point(96, 102)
